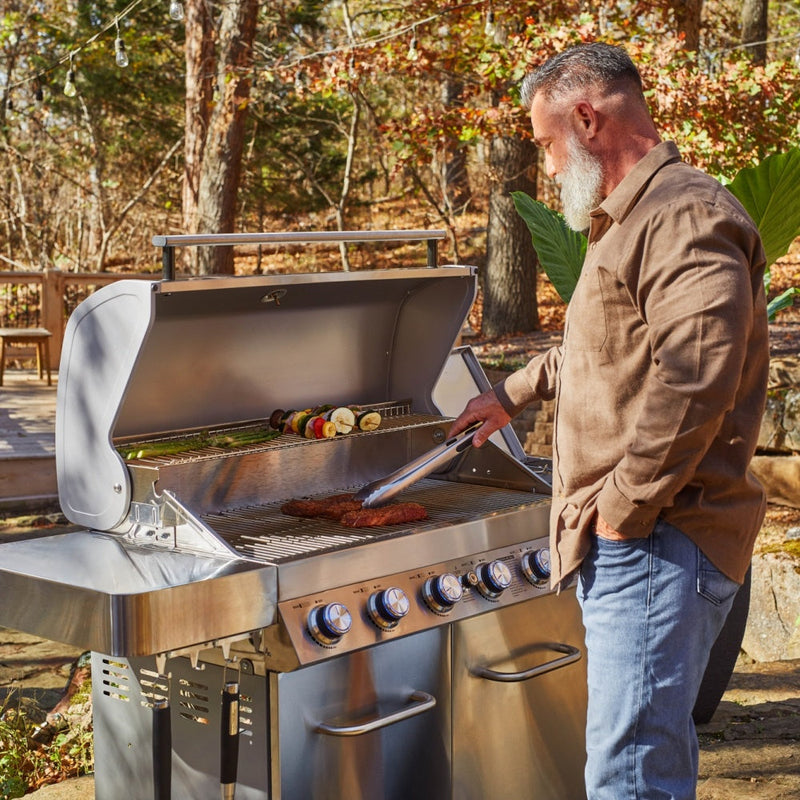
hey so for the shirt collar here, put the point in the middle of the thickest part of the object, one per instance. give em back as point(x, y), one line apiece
point(623, 198)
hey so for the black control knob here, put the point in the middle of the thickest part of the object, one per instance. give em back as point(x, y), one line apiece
point(387, 607)
point(536, 566)
point(442, 592)
point(493, 579)
point(327, 624)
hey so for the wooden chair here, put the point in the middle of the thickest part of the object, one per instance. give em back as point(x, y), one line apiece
point(39, 337)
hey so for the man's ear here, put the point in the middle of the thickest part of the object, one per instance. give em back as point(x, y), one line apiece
point(585, 118)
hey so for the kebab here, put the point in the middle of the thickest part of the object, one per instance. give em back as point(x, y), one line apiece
point(326, 421)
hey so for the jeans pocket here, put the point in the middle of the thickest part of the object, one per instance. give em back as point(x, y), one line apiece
point(712, 584)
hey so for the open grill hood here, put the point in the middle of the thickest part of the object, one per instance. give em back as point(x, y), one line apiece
point(142, 358)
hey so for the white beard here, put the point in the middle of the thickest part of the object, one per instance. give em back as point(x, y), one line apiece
point(580, 182)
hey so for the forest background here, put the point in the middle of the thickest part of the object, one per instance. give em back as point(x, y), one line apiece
point(121, 120)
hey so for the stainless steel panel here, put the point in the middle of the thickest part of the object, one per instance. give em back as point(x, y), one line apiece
point(405, 759)
point(364, 633)
point(519, 737)
point(101, 345)
point(92, 591)
point(462, 379)
point(122, 696)
point(291, 467)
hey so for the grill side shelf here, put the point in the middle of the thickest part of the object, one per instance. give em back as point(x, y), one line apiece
point(102, 594)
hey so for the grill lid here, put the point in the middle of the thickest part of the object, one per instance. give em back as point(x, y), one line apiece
point(142, 358)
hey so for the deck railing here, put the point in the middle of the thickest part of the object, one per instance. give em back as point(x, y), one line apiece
point(46, 299)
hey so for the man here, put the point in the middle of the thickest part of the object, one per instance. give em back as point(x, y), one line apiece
point(660, 386)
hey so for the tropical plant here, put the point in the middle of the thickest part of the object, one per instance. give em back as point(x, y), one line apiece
point(769, 192)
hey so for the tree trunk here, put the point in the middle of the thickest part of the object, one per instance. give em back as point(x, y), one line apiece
point(199, 49)
point(455, 179)
point(755, 29)
point(218, 78)
point(222, 154)
point(344, 196)
point(509, 284)
point(687, 19)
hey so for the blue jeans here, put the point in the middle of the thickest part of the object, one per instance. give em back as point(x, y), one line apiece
point(652, 609)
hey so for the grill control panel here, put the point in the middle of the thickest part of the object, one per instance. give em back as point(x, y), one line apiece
point(359, 615)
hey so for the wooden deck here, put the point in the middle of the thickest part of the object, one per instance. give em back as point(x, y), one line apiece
point(27, 442)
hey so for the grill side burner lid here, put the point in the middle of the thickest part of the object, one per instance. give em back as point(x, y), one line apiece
point(142, 358)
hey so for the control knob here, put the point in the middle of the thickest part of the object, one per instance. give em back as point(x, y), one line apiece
point(387, 607)
point(536, 566)
point(493, 579)
point(327, 624)
point(442, 592)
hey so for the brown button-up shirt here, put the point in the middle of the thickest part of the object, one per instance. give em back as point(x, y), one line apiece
point(661, 378)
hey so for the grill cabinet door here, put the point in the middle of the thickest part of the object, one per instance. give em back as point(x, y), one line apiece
point(521, 738)
point(404, 760)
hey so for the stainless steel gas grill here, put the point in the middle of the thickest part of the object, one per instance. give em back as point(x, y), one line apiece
point(282, 657)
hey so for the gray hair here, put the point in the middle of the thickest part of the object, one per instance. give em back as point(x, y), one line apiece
point(595, 64)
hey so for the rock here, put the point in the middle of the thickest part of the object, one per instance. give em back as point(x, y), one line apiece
point(780, 477)
point(73, 789)
point(773, 624)
point(784, 371)
point(780, 425)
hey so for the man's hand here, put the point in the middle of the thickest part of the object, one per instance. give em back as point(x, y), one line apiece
point(485, 408)
point(605, 531)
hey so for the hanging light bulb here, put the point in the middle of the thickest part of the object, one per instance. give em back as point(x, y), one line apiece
point(70, 90)
point(176, 10)
point(120, 53)
point(413, 53)
point(490, 28)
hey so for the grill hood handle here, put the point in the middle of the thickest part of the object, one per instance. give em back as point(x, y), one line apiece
point(381, 491)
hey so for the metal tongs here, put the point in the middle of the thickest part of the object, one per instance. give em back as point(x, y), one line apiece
point(384, 489)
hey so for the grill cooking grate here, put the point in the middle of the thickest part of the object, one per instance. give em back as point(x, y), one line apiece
point(265, 534)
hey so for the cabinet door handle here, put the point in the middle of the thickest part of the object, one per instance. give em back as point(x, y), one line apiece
point(572, 654)
point(420, 702)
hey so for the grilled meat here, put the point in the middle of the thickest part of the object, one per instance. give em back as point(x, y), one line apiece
point(333, 507)
point(392, 514)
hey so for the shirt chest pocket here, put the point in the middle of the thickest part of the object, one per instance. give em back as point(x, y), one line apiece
point(586, 322)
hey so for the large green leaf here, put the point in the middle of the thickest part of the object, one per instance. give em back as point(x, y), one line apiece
point(560, 249)
point(770, 192)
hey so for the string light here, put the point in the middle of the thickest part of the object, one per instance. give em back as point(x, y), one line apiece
point(176, 10)
point(490, 29)
point(120, 53)
point(413, 53)
point(70, 90)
